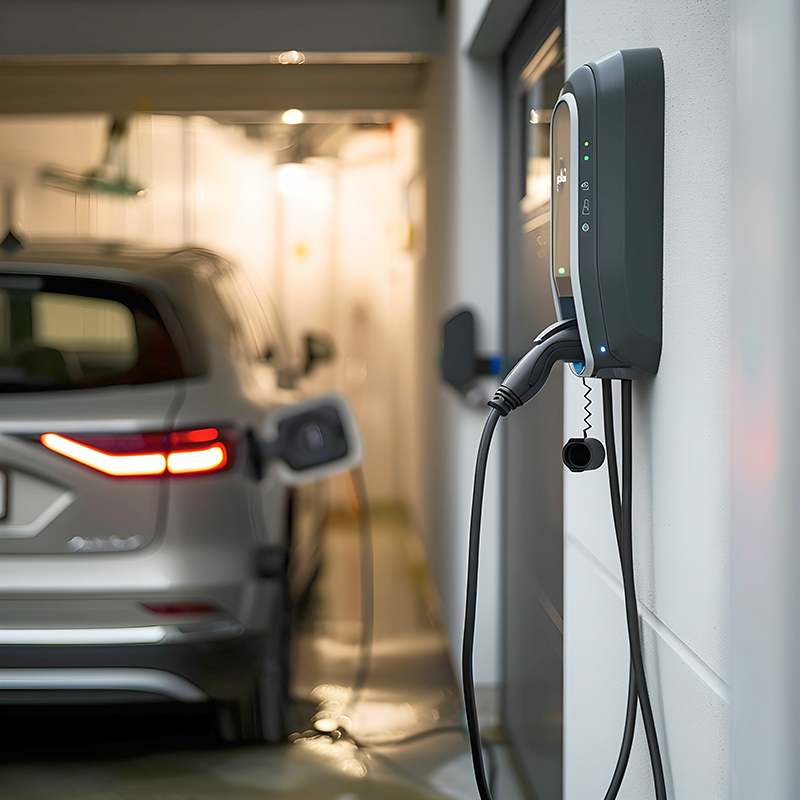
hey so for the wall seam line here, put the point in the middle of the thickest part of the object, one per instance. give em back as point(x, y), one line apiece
point(706, 673)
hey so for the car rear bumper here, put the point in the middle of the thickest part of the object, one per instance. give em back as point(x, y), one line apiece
point(187, 673)
point(192, 633)
point(94, 684)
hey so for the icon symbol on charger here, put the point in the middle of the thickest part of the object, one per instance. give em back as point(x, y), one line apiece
point(585, 186)
point(585, 227)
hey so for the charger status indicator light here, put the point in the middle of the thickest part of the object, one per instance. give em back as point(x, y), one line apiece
point(603, 348)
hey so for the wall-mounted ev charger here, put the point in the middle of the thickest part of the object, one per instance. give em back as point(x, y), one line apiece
point(607, 221)
point(607, 212)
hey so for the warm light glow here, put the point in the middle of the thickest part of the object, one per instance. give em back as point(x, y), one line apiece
point(292, 179)
point(294, 116)
point(326, 725)
point(129, 465)
point(291, 57)
point(197, 460)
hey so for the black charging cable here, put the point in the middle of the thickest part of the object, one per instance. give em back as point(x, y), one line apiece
point(622, 509)
point(616, 510)
point(631, 604)
point(367, 640)
point(366, 559)
point(468, 648)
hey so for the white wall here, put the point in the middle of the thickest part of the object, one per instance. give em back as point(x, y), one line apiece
point(349, 250)
point(76, 143)
point(207, 184)
point(765, 502)
point(463, 268)
point(681, 430)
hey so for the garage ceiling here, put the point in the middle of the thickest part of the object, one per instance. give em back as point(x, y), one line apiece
point(212, 56)
point(81, 27)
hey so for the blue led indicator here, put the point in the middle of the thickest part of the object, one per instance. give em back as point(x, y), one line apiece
point(602, 348)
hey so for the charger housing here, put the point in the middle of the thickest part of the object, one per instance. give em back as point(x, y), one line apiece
point(607, 211)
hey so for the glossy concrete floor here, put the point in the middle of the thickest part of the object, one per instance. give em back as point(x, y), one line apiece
point(170, 753)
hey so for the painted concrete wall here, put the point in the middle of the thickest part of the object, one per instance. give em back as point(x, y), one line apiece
point(207, 184)
point(463, 269)
point(349, 246)
point(765, 502)
point(681, 429)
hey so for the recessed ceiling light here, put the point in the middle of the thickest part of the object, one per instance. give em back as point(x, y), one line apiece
point(293, 116)
point(291, 57)
point(292, 179)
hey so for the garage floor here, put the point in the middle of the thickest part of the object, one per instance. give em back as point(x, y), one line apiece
point(169, 753)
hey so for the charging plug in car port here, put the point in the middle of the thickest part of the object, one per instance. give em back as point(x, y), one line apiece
point(583, 455)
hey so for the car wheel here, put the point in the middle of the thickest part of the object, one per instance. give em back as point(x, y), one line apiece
point(271, 703)
point(238, 722)
point(272, 692)
point(228, 722)
point(261, 714)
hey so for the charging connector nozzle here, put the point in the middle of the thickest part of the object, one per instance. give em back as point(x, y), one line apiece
point(559, 342)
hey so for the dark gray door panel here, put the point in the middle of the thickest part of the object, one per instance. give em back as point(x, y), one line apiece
point(533, 485)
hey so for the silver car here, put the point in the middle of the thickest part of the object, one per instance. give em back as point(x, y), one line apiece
point(144, 528)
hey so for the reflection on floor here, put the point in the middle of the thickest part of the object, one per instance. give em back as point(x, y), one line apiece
point(170, 753)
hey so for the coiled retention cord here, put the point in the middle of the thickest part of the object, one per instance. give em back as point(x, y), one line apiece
point(622, 508)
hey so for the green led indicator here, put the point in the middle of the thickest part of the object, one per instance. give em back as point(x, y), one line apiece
point(586, 144)
point(561, 271)
point(586, 158)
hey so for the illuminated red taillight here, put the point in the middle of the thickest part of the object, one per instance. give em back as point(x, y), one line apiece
point(206, 460)
point(111, 463)
point(202, 435)
point(175, 609)
point(147, 454)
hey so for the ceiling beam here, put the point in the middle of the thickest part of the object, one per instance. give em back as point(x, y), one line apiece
point(208, 88)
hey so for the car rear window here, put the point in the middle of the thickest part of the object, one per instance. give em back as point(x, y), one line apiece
point(61, 333)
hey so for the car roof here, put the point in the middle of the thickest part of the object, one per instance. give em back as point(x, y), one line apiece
point(185, 275)
point(165, 265)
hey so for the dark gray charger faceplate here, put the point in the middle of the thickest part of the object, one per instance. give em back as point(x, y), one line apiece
point(617, 219)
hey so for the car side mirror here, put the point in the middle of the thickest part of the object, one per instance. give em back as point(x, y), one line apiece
point(319, 348)
point(313, 440)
